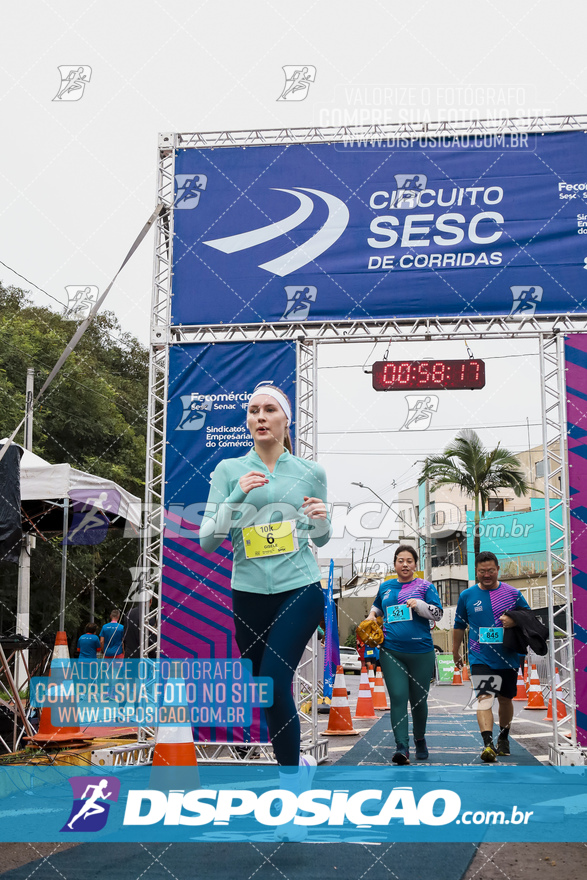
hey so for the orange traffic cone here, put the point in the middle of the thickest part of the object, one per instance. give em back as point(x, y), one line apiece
point(466, 676)
point(520, 687)
point(175, 764)
point(48, 732)
point(365, 702)
point(457, 678)
point(535, 699)
point(60, 649)
point(560, 706)
point(340, 722)
point(371, 679)
point(380, 702)
point(526, 677)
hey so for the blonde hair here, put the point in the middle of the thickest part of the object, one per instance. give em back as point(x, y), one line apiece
point(286, 436)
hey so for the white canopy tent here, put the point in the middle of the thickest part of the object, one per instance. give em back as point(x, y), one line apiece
point(41, 481)
point(64, 485)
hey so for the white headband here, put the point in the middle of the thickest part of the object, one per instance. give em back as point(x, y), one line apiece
point(276, 395)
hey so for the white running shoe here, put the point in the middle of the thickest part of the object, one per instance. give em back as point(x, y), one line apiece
point(291, 833)
point(298, 782)
point(308, 765)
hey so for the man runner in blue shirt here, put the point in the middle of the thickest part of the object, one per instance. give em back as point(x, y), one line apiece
point(111, 636)
point(494, 668)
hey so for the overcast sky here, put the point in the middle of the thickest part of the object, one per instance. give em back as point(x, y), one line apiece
point(78, 177)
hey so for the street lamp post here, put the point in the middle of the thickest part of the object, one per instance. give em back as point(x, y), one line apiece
point(427, 529)
point(426, 537)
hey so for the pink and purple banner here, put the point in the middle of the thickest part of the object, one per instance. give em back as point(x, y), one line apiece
point(209, 387)
point(576, 362)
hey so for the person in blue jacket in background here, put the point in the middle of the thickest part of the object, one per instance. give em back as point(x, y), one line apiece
point(371, 655)
point(407, 657)
point(270, 503)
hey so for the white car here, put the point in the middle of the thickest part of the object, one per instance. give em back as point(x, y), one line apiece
point(350, 660)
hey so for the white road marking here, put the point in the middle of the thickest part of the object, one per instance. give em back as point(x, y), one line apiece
point(529, 735)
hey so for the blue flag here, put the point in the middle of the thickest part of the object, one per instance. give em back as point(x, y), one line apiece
point(331, 646)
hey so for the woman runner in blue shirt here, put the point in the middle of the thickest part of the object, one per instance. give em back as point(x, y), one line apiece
point(407, 604)
point(276, 591)
point(88, 645)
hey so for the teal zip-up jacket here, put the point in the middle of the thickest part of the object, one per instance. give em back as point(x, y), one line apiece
point(229, 510)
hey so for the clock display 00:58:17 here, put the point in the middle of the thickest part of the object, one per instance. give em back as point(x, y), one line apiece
point(428, 375)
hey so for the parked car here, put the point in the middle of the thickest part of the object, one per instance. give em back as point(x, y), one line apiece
point(350, 660)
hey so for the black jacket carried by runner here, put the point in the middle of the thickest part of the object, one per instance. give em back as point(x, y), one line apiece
point(529, 631)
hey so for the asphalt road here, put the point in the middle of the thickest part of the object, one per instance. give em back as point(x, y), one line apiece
point(529, 726)
point(509, 861)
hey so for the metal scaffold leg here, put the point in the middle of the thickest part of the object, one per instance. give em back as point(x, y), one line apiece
point(307, 689)
point(563, 750)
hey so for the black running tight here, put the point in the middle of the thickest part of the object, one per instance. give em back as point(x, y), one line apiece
point(272, 631)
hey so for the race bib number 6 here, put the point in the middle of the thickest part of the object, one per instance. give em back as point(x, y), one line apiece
point(397, 613)
point(270, 539)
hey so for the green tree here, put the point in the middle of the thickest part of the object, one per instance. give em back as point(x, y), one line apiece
point(93, 416)
point(351, 639)
point(477, 471)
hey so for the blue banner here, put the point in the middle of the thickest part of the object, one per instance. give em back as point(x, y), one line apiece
point(331, 645)
point(209, 389)
point(350, 804)
point(459, 226)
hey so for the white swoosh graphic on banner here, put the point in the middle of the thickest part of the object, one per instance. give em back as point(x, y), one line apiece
point(334, 226)
point(243, 240)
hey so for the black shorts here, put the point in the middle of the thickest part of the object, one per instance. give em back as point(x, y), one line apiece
point(483, 679)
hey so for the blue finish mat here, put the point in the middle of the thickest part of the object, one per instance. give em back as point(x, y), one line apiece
point(451, 739)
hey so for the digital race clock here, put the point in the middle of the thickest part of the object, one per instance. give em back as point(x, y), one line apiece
point(428, 375)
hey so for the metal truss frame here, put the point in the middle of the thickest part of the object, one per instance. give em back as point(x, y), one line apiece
point(306, 687)
point(372, 330)
point(141, 754)
point(558, 544)
point(153, 520)
point(550, 330)
point(366, 133)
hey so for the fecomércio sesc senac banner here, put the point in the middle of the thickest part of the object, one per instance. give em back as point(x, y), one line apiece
point(456, 226)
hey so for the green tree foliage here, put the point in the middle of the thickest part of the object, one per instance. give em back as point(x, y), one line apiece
point(351, 639)
point(477, 471)
point(93, 417)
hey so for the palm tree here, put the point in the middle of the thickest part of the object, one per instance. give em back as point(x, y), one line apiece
point(477, 471)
